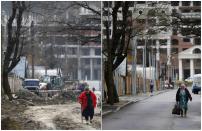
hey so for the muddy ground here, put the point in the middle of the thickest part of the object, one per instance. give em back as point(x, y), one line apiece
point(37, 113)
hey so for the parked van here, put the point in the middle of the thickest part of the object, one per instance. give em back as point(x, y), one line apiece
point(31, 85)
point(196, 86)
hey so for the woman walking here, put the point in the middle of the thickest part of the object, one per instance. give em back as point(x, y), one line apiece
point(87, 99)
point(182, 98)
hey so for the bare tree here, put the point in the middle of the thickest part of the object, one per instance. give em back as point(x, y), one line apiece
point(115, 49)
point(14, 43)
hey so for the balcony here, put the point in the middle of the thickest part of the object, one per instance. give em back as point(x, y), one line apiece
point(191, 15)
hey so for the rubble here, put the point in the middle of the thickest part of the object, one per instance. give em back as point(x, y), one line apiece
point(29, 111)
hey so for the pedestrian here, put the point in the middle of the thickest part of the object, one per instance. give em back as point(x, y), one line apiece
point(93, 89)
point(182, 97)
point(87, 99)
point(151, 86)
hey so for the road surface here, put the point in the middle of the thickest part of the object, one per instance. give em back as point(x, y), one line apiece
point(155, 113)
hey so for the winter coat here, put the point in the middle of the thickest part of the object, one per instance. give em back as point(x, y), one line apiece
point(188, 95)
point(83, 99)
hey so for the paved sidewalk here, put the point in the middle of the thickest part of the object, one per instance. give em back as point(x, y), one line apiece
point(127, 100)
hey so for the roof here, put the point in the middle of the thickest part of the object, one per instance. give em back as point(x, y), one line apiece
point(188, 53)
point(31, 80)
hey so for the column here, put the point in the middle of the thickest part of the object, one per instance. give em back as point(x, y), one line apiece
point(92, 53)
point(91, 68)
point(79, 63)
point(191, 67)
point(168, 51)
point(192, 41)
point(180, 69)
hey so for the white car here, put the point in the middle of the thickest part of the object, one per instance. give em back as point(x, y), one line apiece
point(189, 79)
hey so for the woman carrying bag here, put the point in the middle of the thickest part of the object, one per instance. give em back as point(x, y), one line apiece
point(182, 98)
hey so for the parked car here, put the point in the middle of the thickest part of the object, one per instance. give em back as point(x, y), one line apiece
point(189, 80)
point(196, 86)
point(31, 85)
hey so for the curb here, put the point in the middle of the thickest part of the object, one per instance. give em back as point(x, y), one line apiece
point(106, 113)
point(126, 104)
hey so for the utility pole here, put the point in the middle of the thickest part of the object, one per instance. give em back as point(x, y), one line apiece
point(134, 62)
point(144, 72)
point(32, 45)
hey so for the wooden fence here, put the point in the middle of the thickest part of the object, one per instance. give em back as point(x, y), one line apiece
point(15, 83)
point(124, 85)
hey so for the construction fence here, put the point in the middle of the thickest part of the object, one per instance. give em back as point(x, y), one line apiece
point(124, 85)
point(15, 83)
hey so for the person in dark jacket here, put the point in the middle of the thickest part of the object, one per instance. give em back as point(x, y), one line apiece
point(87, 99)
point(151, 87)
point(182, 98)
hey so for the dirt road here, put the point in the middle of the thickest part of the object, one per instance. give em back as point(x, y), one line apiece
point(61, 117)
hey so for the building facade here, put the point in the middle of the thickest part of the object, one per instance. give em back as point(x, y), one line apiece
point(186, 39)
point(69, 40)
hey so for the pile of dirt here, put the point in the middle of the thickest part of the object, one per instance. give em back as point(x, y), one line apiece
point(66, 124)
point(12, 117)
point(61, 97)
point(27, 95)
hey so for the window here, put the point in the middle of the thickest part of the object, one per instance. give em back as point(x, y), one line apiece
point(185, 31)
point(131, 3)
point(152, 3)
point(197, 3)
point(105, 32)
point(140, 2)
point(197, 51)
point(174, 50)
point(85, 63)
point(107, 22)
point(185, 3)
point(86, 74)
point(98, 52)
point(163, 42)
point(140, 42)
point(197, 41)
point(187, 61)
point(71, 51)
point(186, 39)
point(174, 32)
point(185, 11)
point(174, 3)
point(163, 51)
point(85, 51)
point(152, 42)
point(97, 61)
point(107, 3)
point(175, 42)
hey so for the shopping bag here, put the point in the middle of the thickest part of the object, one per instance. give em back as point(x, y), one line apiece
point(176, 109)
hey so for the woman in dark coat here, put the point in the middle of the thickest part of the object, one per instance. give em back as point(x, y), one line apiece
point(182, 98)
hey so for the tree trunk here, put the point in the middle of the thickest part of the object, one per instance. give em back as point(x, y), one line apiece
point(111, 89)
point(6, 86)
